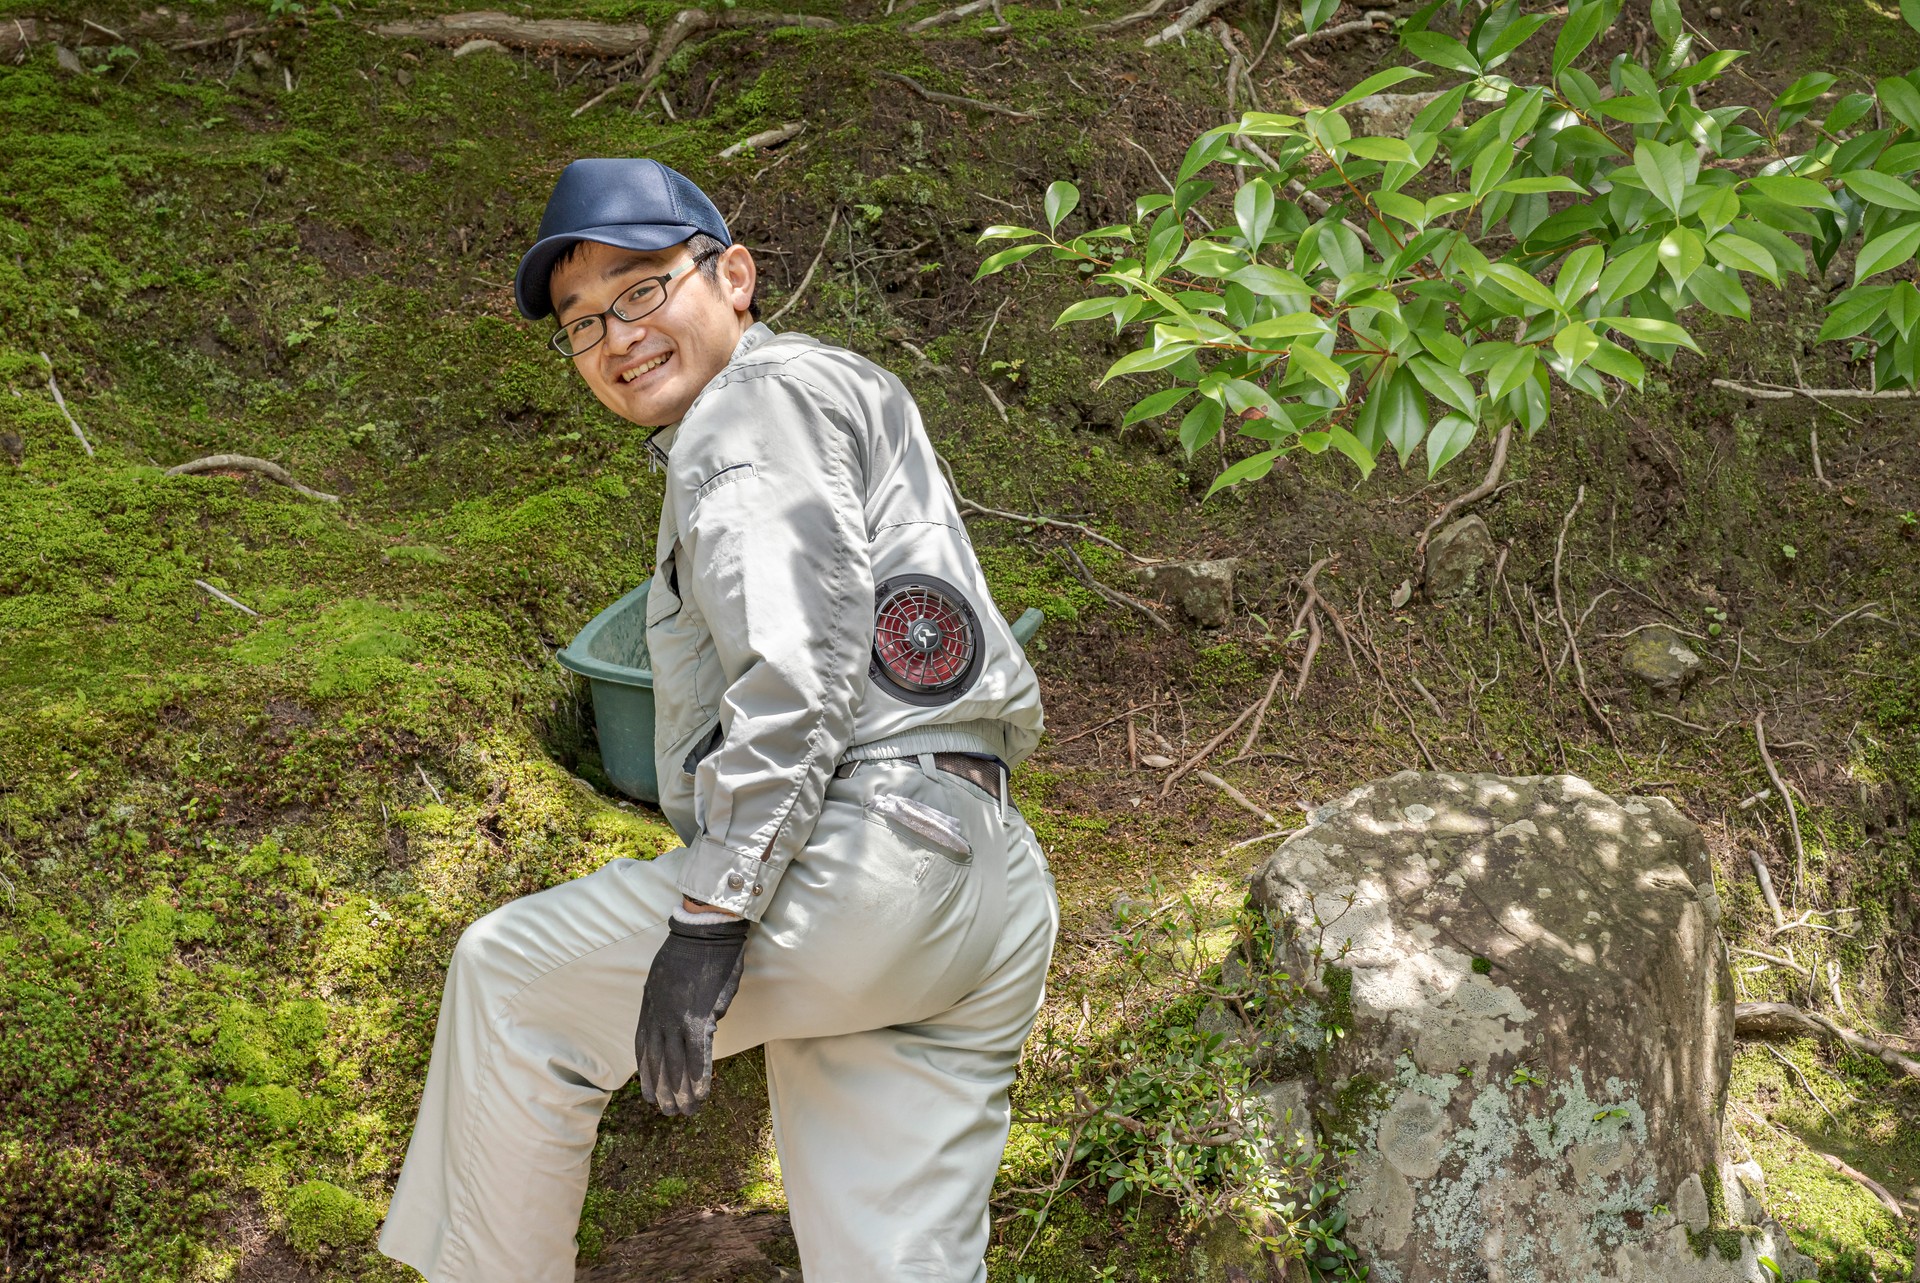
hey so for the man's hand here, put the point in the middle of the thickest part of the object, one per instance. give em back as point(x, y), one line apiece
point(693, 980)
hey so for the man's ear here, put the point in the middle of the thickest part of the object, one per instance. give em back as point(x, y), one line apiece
point(738, 272)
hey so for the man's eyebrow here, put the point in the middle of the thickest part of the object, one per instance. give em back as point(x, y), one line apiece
point(619, 268)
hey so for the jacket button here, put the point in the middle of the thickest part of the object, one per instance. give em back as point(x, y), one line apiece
point(757, 888)
point(735, 881)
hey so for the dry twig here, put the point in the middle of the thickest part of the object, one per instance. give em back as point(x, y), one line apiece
point(1114, 595)
point(1235, 795)
point(1774, 958)
point(945, 16)
point(1195, 14)
point(1874, 1187)
point(1121, 24)
point(1766, 890)
point(1366, 22)
point(220, 596)
point(1793, 816)
point(1782, 392)
point(765, 138)
point(247, 463)
point(61, 401)
point(1559, 606)
point(833, 219)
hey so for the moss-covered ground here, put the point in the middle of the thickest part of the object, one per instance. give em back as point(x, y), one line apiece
point(236, 848)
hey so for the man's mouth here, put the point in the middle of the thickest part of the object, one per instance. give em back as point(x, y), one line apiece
point(629, 376)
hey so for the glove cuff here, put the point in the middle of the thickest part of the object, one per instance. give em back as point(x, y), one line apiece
point(730, 931)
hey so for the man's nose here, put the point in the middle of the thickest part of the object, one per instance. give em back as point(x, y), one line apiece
point(622, 335)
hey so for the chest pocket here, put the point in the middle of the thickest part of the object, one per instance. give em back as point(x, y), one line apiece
point(686, 673)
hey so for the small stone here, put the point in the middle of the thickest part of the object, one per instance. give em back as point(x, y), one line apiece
point(68, 61)
point(13, 446)
point(1456, 556)
point(1716, 13)
point(1402, 595)
point(1158, 761)
point(1203, 590)
point(1658, 657)
point(261, 59)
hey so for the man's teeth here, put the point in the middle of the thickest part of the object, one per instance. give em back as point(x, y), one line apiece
point(639, 370)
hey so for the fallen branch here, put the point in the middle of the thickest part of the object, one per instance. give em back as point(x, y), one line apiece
point(1121, 24)
point(1196, 13)
point(1365, 22)
point(955, 100)
point(247, 463)
point(970, 507)
point(1101, 726)
point(1774, 958)
point(1306, 662)
point(429, 783)
point(217, 594)
point(1874, 1187)
point(1486, 487)
point(1114, 595)
point(689, 21)
point(1206, 751)
point(1793, 816)
point(1804, 1082)
point(17, 36)
point(1784, 1020)
point(1766, 890)
point(955, 14)
point(559, 35)
point(61, 401)
point(1782, 392)
point(833, 219)
point(1234, 795)
point(238, 33)
point(765, 138)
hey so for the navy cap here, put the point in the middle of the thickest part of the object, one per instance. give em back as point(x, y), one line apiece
point(630, 204)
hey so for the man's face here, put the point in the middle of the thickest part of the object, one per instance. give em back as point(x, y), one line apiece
point(650, 370)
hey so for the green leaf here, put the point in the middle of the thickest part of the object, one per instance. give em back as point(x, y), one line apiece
point(1152, 407)
point(1582, 28)
point(1086, 310)
point(1882, 189)
point(1390, 150)
point(1629, 272)
point(1910, 10)
point(1202, 423)
point(1901, 99)
point(1743, 255)
point(1706, 69)
point(1722, 292)
point(1060, 201)
point(1324, 370)
point(1576, 343)
point(1524, 285)
point(1287, 326)
point(1253, 210)
point(1611, 359)
point(1788, 189)
point(1003, 231)
point(1535, 186)
point(1681, 253)
point(1449, 437)
point(1578, 275)
point(1402, 415)
point(1315, 12)
point(1147, 359)
point(1889, 249)
point(1903, 308)
point(1448, 384)
point(1005, 258)
point(1634, 109)
point(1510, 371)
point(1647, 329)
point(1663, 171)
point(1855, 310)
point(1351, 446)
point(1251, 468)
point(1442, 50)
point(1270, 281)
point(1378, 81)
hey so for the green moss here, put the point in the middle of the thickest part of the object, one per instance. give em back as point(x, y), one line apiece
point(1727, 1244)
point(320, 1214)
point(1482, 966)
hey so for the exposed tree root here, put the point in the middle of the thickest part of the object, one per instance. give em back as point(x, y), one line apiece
point(1366, 22)
point(217, 595)
point(1784, 1020)
point(765, 138)
point(247, 463)
point(557, 35)
point(1235, 796)
point(1784, 392)
point(1139, 16)
point(1487, 486)
point(945, 16)
point(1893, 1205)
point(1114, 595)
point(832, 220)
point(54, 387)
point(1793, 815)
point(1196, 13)
point(956, 100)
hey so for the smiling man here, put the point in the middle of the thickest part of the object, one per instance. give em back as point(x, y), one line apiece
point(838, 704)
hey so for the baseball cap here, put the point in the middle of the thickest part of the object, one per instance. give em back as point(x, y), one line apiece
point(629, 203)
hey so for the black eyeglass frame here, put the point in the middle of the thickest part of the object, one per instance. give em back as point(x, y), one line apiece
point(613, 309)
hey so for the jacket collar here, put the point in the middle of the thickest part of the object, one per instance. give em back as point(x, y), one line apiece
point(660, 441)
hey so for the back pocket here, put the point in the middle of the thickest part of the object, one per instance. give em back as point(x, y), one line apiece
point(932, 826)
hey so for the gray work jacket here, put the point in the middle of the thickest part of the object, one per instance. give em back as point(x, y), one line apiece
point(800, 478)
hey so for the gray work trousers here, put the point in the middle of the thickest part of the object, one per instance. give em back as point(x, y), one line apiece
point(892, 982)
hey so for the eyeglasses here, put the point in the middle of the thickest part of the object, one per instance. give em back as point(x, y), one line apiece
point(637, 300)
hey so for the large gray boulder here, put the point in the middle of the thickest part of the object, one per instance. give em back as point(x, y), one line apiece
point(1456, 557)
point(1203, 590)
point(1537, 1028)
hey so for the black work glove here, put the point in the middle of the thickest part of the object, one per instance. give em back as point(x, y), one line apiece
point(693, 980)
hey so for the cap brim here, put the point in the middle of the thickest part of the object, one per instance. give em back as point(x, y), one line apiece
point(530, 283)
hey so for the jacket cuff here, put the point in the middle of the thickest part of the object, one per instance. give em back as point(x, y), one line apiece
point(726, 879)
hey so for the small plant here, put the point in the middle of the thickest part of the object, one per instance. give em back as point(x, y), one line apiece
point(1716, 620)
point(1788, 551)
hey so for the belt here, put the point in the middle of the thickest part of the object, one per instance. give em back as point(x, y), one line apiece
point(981, 772)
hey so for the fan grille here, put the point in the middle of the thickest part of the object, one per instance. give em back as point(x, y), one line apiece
point(923, 639)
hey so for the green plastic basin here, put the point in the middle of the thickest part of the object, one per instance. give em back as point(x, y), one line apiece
point(611, 653)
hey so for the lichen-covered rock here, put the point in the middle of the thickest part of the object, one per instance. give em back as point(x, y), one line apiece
point(1456, 556)
point(1538, 1028)
point(1203, 590)
point(1658, 657)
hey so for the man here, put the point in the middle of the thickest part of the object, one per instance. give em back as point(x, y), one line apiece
point(838, 703)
